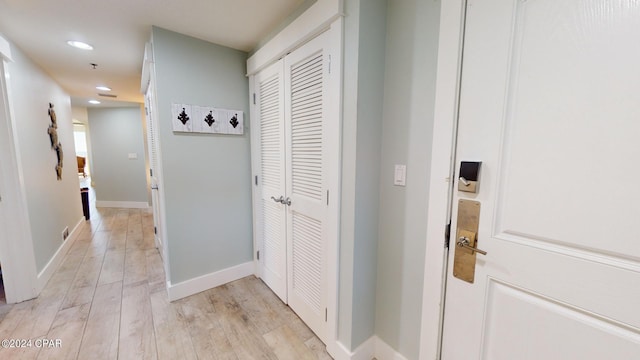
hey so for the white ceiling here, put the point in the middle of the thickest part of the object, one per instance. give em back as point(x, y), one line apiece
point(118, 30)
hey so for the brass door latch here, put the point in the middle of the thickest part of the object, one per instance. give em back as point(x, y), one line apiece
point(464, 263)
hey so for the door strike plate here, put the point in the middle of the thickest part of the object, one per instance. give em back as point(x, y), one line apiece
point(464, 263)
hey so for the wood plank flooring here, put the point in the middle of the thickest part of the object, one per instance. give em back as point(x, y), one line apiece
point(107, 300)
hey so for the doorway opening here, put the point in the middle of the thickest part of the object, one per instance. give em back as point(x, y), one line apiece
point(80, 139)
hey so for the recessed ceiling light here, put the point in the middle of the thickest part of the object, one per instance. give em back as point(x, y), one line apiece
point(103, 88)
point(94, 102)
point(80, 45)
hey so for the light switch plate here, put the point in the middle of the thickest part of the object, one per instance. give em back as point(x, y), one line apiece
point(400, 175)
point(133, 156)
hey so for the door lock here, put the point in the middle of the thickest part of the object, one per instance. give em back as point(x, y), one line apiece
point(464, 261)
point(469, 176)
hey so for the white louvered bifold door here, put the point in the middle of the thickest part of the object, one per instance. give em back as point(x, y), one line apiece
point(306, 72)
point(152, 147)
point(271, 231)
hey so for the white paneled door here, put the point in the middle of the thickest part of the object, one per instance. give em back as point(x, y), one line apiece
point(549, 104)
point(295, 107)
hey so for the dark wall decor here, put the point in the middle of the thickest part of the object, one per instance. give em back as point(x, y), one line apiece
point(55, 144)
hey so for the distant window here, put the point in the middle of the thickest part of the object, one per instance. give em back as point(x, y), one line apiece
point(80, 139)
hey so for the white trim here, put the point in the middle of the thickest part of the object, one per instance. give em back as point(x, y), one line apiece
point(366, 350)
point(123, 204)
point(208, 281)
point(385, 352)
point(5, 49)
point(374, 347)
point(309, 24)
point(335, 37)
point(445, 113)
point(146, 70)
point(18, 257)
point(255, 173)
point(51, 267)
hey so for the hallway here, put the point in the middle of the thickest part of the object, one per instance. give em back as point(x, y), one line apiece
point(108, 301)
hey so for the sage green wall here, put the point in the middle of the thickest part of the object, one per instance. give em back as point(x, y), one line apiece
point(114, 134)
point(207, 178)
point(389, 93)
point(52, 204)
point(364, 53)
point(411, 53)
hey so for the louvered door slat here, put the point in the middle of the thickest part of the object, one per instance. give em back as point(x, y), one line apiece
point(303, 105)
point(270, 132)
point(307, 259)
point(303, 67)
point(311, 114)
point(308, 186)
point(308, 137)
point(307, 174)
point(309, 86)
point(307, 125)
point(270, 111)
point(274, 228)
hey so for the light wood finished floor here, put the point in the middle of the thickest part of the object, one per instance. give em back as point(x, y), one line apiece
point(108, 300)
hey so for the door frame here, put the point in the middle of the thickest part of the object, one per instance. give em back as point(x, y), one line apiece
point(448, 78)
point(16, 249)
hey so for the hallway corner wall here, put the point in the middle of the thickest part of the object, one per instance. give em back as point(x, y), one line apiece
point(410, 72)
point(207, 177)
point(52, 205)
point(364, 62)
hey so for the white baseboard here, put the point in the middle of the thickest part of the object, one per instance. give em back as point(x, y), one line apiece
point(51, 267)
point(122, 204)
point(209, 281)
point(366, 351)
point(374, 347)
point(386, 352)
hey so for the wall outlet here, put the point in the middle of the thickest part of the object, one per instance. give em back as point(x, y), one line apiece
point(65, 233)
